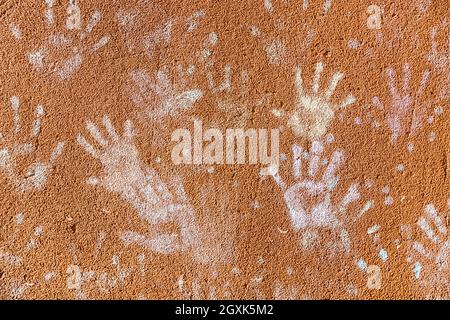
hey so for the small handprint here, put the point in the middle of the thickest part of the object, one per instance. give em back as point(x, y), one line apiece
point(314, 111)
point(126, 175)
point(435, 252)
point(231, 100)
point(61, 55)
point(174, 98)
point(10, 149)
point(309, 199)
point(406, 113)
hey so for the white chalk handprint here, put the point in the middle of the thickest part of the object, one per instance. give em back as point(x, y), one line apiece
point(11, 149)
point(314, 111)
point(433, 265)
point(141, 186)
point(406, 113)
point(309, 199)
point(161, 97)
point(61, 54)
point(231, 94)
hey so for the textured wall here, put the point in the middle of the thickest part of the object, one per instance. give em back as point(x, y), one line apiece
point(93, 205)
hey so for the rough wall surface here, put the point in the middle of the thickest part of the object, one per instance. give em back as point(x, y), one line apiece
point(93, 205)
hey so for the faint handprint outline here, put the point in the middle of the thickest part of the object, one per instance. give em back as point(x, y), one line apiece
point(11, 149)
point(231, 100)
point(73, 48)
point(440, 254)
point(172, 97)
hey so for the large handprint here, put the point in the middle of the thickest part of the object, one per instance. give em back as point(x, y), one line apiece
point(61, 55)
point(314, 112)
point(406, 113)
point(309, 199)
point(37, 174)
point(139, 185)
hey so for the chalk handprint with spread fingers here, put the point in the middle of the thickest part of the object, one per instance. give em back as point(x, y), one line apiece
point(11, 149)
point(61, 54)
point(231, 100)
point(141, 186)
point(314, 111)
point(309, 199)
point(433, 266)
point(405, 113)
point(161, 97)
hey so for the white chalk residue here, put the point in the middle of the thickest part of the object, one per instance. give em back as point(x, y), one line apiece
point(325, 7)
point(193, 21)
point(282, 292)
point(11, 149)
point(268, 5)
point(83, 280)
point(230, 94)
